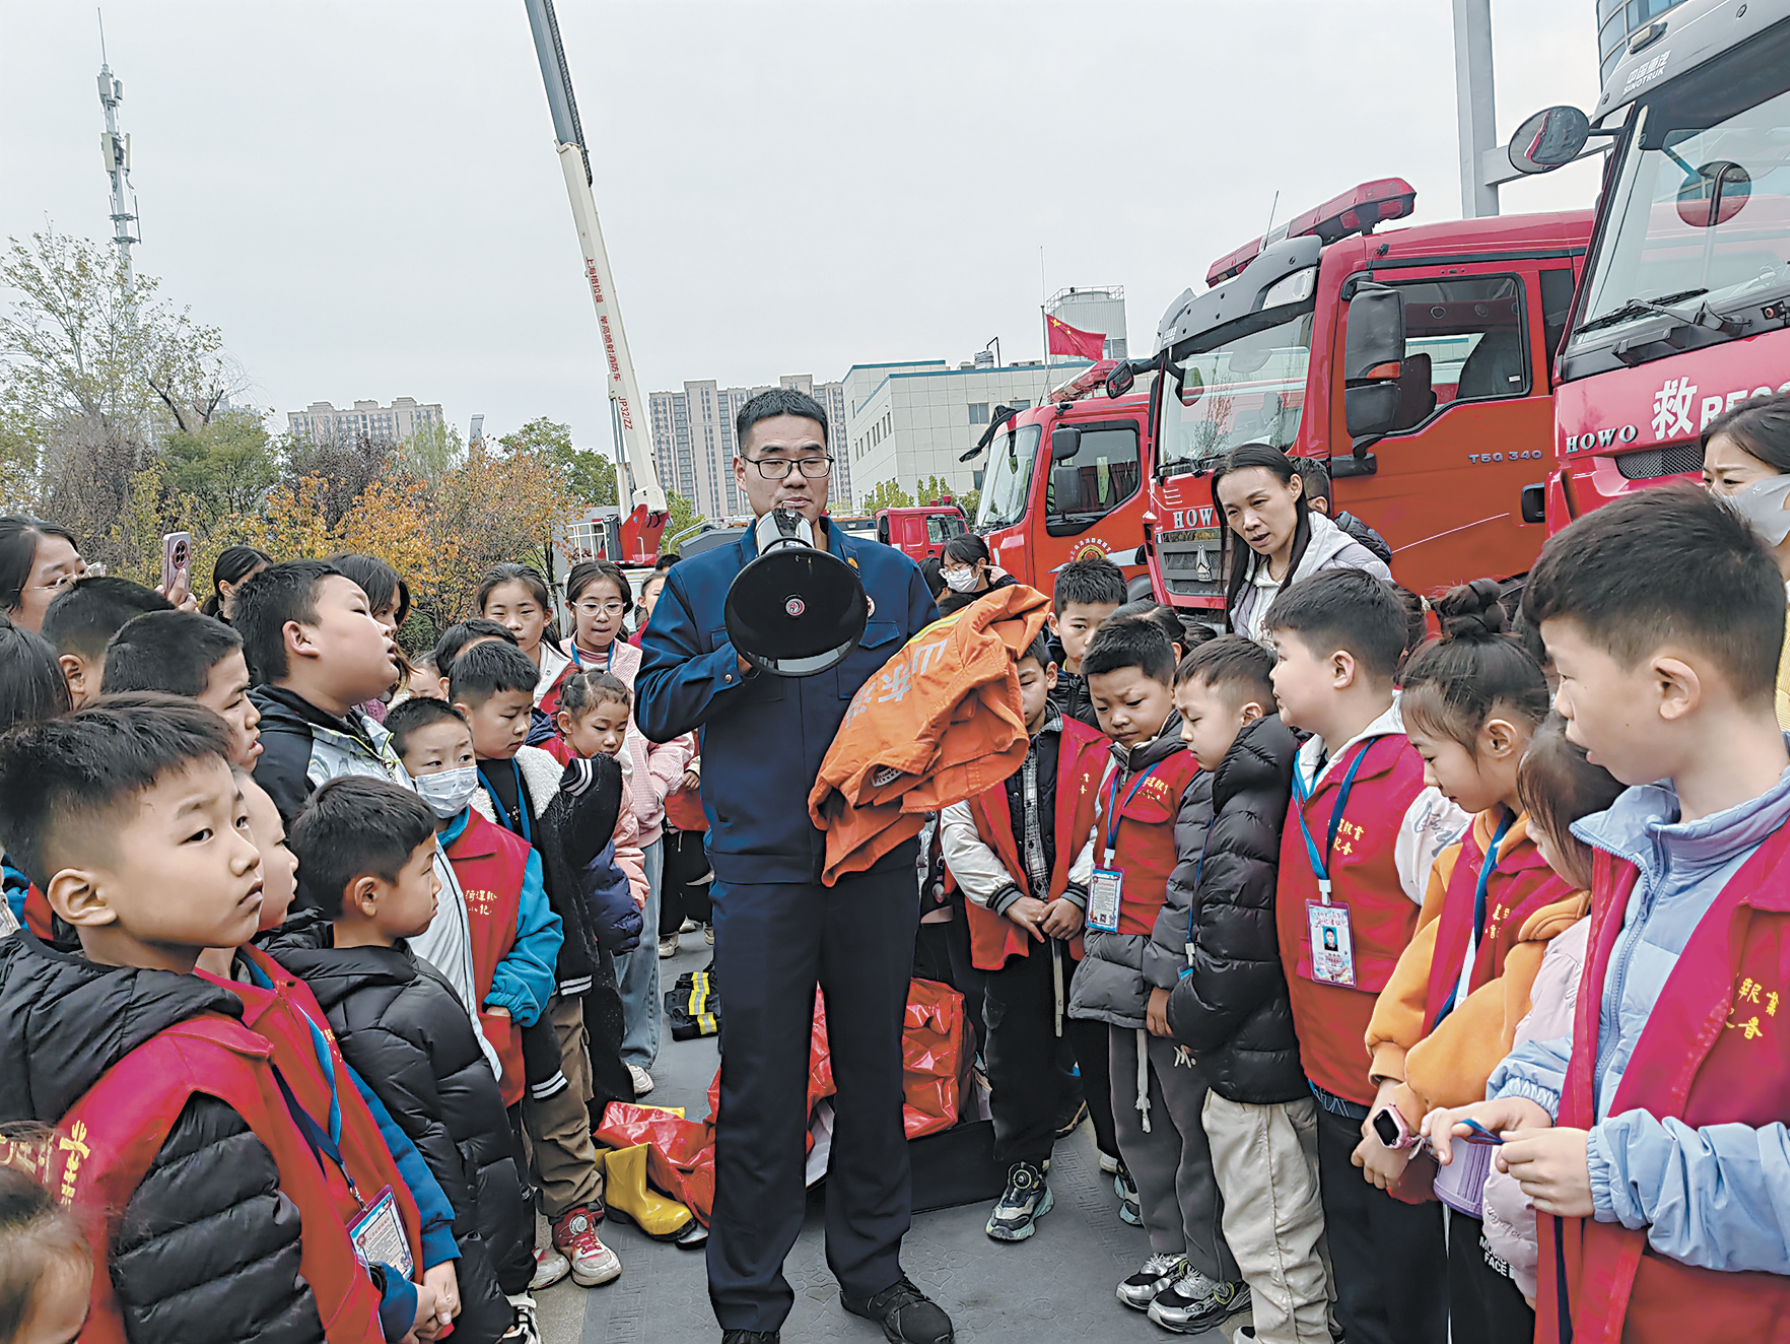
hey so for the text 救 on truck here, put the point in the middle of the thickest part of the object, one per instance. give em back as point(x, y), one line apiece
point(1686, 298)
point(1066, 480)
point(1414, 363)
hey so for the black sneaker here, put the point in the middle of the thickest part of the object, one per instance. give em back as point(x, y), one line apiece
point(1025, 1200)
point(1131, 1209)
point(1194, 1303)
point(906, 1314)
point(750, 1337)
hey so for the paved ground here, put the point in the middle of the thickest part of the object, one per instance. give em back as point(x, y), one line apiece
point(1058, 1285)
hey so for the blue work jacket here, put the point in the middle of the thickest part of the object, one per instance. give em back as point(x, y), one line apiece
point(764, 736)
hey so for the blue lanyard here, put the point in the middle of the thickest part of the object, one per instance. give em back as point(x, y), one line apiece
point(522, 818)
point(1112, 810)
point(1487, 866)
point(608, 662)
point(1320, 863)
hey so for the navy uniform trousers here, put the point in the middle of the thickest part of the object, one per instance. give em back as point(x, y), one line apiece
point(773, 944)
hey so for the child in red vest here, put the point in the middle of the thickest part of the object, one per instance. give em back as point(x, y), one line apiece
point(1018, 853)
point(1654, 1134)
point(1144, 821)
point(176, 1139)
point(1361, 833)
point(515, 935)
point(1472, 702)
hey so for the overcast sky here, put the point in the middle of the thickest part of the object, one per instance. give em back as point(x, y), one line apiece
point(364, 195)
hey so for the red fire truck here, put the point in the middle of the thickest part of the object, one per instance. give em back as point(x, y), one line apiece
point(1414, 362)
point(1067, 479)
point(1686, 298)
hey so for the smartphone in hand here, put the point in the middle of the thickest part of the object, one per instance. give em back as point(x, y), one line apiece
point(177, 564)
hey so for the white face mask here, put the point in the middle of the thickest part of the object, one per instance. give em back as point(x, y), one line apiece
point(960, 580)
point(449, 791)
point(1762, 505)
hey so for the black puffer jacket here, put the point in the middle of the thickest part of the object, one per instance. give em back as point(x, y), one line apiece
point(405, 1033)
point(1231, 1009)
point(208, 1246)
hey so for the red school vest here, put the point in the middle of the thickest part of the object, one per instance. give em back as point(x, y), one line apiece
point(1520, 885)
point(1331, 1020)
point(283, 1017)
point(1144, 845)
point(490, 863)
point(1715, 1050)
point(111, 1135)
point(1081, 758)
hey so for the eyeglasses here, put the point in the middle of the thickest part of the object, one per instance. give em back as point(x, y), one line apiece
point(776, 468)
point(57, 585)
point(592, 608)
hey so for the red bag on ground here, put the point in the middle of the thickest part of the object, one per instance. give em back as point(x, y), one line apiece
point(936, 1056)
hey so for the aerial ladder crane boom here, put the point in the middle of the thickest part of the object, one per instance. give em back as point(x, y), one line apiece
point(645, 520)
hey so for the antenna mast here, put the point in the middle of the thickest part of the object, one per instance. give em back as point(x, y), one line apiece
point(116, 149)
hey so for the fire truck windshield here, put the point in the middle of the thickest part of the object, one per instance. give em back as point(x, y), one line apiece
point(1247, 390)
point(1699, 210)
point(1010, 460)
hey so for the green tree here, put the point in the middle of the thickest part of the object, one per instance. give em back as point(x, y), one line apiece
point(888, 495)
point(683, 518)
point(432, 451)
point(227, 466)
point(592, 475)
point(971, 503)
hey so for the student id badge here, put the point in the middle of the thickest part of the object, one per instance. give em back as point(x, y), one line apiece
point(378, 1235)
point(1103, 899)
point(1332, 950)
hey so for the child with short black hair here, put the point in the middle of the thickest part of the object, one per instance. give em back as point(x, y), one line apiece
point(1361, 833)
point(131, 823)
point(199, 657)
point(1146, 820)
point(1023, 867)
point(366, 880)
point(1654, 1133)
point(316, 653)
point(1085, 595)
point(1231, 1007)
point(81, 620)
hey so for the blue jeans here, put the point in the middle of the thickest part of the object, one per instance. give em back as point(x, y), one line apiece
point(637, 974)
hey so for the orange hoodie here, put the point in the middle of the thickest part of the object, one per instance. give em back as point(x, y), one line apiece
point(943, 724)
point(1449, 1065)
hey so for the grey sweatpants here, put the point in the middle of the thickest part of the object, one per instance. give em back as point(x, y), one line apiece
point(1170, 1162)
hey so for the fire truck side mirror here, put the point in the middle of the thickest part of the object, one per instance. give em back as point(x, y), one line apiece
point(1120, 381)
point(1065, 443)
point(1372, 359)
point(1550, 139)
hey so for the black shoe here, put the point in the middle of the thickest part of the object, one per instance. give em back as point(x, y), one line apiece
point(750, 1337)
point(906, 1314)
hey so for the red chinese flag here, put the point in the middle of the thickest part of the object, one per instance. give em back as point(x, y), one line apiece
point(1066, 340)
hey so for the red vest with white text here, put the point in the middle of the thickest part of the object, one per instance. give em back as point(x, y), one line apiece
point(1715, 1050)
point(490, 863)
point(1331, 1020)
point(1144, 845)
point(1081, 757)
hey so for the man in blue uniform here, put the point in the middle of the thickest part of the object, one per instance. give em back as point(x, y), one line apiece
point(778, 931)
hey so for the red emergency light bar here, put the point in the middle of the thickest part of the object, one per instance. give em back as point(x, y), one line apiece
point(1358, 210)
point(1084, 383)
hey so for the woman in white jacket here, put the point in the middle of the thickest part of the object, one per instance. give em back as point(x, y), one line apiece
point(1263, 501)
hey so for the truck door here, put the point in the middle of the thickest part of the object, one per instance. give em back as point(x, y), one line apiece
point(1474, 426)
point(1082, 492)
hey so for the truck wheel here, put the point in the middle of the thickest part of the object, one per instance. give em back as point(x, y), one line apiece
point(1138, 589)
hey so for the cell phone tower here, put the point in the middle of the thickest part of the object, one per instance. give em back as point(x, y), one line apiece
point(116, 149)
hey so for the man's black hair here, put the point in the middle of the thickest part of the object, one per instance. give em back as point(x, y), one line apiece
point(1140, 644)
point(1346, 609)
point(91, 610)
point(171, 651)
point(1667, 566)
point(1095, 582)
point(776, 401)
point(418, 712)
point(666, 561)
point(355, 826)
point(457, 637)
point(1231, 663)
point(64, 781)
point(1159, 614)
point(278, 594)
point(33, 688)
point(1037, 650)
point(485, 669)
point(1316, 477)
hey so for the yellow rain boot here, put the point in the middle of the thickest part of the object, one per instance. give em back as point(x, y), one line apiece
point(627, 1195)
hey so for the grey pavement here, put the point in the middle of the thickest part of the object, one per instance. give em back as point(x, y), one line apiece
point(1058, 1285)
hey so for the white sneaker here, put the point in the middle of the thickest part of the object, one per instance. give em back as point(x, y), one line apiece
point(550, 1268)
point(643, 1081)
point(526, 1326)
point(668, 946)
point(708, 934)
point(1109, 1164)
point(688, 926)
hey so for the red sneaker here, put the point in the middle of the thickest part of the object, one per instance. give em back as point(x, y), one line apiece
point(575, 1236)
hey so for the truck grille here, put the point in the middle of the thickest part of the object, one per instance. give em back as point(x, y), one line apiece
point(1678, 460)
point(1193, 561)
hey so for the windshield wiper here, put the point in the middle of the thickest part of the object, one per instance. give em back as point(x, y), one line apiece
point(1640, 308)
